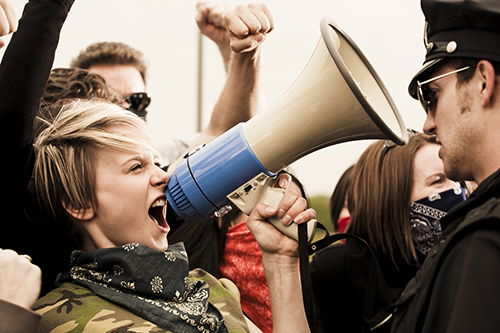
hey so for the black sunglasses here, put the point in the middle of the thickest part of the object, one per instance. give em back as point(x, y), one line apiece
point(423, 89)
point(138, 102)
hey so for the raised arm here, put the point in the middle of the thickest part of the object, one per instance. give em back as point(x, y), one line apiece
point(24, 70)
point(26, 66)
point(239, 33)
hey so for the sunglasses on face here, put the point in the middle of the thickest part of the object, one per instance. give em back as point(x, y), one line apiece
point(424, 94)
point(138, 102)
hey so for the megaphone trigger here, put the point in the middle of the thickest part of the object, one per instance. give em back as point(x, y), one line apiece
point(260, 189)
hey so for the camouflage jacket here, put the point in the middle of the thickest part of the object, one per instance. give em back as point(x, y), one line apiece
point(74, 308)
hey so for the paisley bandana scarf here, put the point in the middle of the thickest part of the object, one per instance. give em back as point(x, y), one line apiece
point(150, 283)
point(426, 213)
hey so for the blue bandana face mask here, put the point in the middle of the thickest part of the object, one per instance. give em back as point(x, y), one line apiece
point(426, 213)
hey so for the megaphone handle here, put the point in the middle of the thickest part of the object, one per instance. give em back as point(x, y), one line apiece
point(292, 229)
point(260, 189)
point(272, 198)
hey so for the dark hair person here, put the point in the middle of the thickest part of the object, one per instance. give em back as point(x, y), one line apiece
point(390, 186)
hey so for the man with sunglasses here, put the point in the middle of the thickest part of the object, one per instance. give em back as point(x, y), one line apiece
point(124, 69)
point(238, 33)
point(457, 289)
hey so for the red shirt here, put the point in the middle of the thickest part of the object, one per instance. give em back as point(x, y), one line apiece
point(242, 264)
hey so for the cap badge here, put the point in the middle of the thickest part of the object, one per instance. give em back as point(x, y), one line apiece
point(451, 46)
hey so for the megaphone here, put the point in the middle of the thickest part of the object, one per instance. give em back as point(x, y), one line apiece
point(338, 97)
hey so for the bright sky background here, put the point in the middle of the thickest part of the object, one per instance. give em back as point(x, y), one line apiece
point(389, 33)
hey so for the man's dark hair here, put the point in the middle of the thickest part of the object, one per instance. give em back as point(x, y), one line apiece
point(67, 84)
point(72, 83)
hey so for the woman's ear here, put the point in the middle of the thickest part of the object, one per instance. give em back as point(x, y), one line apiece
point(81, 214)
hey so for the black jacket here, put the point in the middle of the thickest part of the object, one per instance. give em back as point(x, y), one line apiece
point(350, 296)
point(457, 288)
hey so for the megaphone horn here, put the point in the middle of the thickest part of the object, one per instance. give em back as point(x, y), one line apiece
point(338, 97)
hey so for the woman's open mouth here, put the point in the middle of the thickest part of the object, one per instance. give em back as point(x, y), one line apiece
point(158, 211)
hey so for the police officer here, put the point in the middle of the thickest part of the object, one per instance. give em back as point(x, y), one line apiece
point(457, 289)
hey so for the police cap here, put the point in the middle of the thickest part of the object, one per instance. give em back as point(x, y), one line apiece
point(459, 28)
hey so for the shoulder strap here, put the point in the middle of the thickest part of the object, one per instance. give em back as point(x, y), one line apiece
point(305, 277)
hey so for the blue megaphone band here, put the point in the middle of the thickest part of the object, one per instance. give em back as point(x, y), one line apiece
point(200, 183)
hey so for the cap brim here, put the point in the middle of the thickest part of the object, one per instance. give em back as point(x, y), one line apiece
point(412, 88)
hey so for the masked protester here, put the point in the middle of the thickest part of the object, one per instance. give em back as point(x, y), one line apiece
point(425, 216)
point(396, 198)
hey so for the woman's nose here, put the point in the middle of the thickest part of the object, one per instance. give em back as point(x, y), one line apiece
point(160, 177)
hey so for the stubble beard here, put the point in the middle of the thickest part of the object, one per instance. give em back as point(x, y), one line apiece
point(457, 155)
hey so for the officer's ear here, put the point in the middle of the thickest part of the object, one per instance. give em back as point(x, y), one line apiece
point(489, 85)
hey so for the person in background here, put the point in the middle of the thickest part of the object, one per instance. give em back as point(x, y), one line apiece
point(238, 32)
point(396, 198)
point(338, 202)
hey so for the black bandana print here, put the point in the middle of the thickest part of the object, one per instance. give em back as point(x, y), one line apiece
point(149, 283)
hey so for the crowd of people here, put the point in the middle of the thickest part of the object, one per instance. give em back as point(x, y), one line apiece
point(91, 244)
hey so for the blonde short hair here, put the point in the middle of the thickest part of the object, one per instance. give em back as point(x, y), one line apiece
point(64, 172)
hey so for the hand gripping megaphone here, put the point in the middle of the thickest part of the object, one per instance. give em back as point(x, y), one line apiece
point(338, 97)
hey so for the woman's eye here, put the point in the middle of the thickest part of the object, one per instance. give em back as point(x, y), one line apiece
point(438, 180)
point(136, 167)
